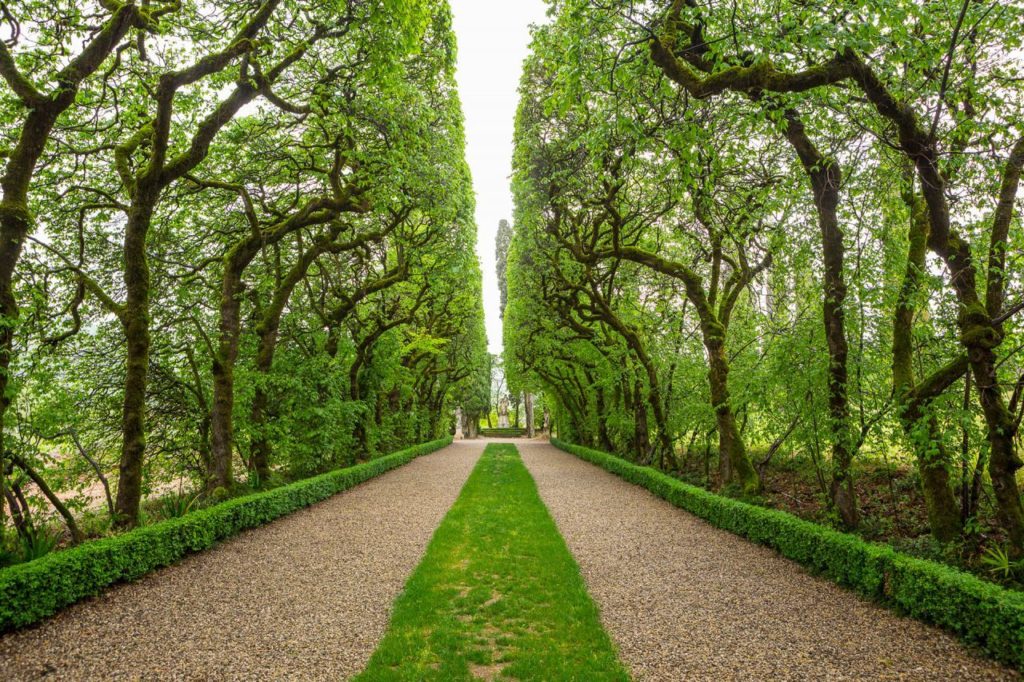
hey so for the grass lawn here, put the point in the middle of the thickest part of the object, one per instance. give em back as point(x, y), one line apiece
point(497, 595)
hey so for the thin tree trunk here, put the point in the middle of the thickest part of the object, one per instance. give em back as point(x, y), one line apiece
point(97, 469)
point(641, 430)
point(826, 180)
point(69, 518)
point(18, 515)
point(530, 432)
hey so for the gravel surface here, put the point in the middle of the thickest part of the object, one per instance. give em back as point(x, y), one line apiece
point(306, 597)
point(686, 601)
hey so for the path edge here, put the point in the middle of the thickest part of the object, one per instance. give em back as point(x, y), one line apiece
point(35, 590)
point(978, 612)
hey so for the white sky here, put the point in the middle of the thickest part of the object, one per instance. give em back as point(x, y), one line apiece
point(493, 40)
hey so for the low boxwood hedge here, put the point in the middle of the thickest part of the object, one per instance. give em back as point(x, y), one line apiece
point(34, 590)
point(511, 432)
point(980, 613)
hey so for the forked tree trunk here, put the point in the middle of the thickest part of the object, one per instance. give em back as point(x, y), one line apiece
point(921, 430)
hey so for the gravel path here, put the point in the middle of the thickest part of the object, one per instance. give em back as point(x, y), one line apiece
point(307, 597)
point(686, 601)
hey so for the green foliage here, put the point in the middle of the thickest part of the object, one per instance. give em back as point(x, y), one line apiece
point(498, 589)
point(176, 506)
point(36, 542)
point(977, 611)
point(999, 563)
point(695, 195)
point(32, 591)
point(306, 293)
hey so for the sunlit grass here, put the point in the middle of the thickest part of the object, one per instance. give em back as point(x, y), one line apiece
point(497, 595)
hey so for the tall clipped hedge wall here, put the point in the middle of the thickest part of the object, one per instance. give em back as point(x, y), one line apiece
point(34, 590)
point(979, 612)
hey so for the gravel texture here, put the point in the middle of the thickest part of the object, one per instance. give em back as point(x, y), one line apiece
point(306, 597)
point(685, 601)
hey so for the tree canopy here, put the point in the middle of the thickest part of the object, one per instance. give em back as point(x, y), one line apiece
point(779, 226)
point(236, 235)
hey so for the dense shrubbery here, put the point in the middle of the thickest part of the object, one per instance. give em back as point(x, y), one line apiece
point(979, 612)
point(32, 591)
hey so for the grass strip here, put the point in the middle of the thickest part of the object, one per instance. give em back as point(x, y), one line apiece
point(497, 595)
point(34, 590)
point(980, 613)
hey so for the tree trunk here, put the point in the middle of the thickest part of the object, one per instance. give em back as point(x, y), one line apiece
point(69, 518)
point(932, 456)
point(604, 440)
point(641, 429)
point(19, 516)
point(222, 440)
point(260, 451)
point(16, 223)
point(16, 220)
point(826, 179)
point(1003, 462)
point(980, 335)
point(135, 323)
point(733, 459)
point(530, 431)
point(220, 473)
point(267, 330)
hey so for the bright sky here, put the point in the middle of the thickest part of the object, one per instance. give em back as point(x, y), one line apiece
point(494, 38)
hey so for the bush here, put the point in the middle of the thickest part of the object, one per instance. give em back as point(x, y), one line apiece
point(979, 612)
point(510, 432)
point(32, 591)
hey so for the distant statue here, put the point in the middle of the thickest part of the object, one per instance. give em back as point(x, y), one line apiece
point(547, 422)
point(458, 424)
point(503, 413)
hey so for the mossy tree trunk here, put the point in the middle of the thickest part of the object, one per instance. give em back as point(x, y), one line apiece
point(921, 427)
point(979, 320)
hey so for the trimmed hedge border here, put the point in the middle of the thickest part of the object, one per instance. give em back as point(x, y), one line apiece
point(34, 590)
point(510, 432)
point(980, 613)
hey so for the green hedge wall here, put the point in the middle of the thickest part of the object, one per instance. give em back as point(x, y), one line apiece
point(510, 432)
point(979, 612)
point(34, 590)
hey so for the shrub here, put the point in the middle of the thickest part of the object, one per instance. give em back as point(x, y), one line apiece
point(979, 612)
point(36, 542)
point(32, 591)
point(510, 432)
point(176, 506)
